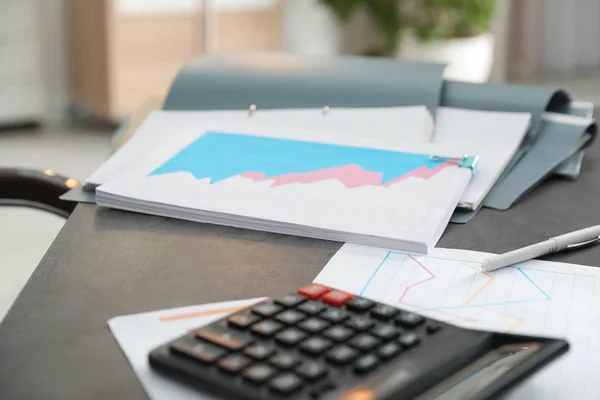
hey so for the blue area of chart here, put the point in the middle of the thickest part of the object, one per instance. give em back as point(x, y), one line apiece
point(219, 156)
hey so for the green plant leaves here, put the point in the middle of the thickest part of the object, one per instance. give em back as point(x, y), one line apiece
point(343, 9)
point(428, 19)
point(386, 16)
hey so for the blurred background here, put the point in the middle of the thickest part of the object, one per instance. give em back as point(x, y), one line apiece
point(108, 56)
point(72, 70)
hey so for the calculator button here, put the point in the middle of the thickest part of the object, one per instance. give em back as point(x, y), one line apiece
point(385, 332)
point(365, 342)
point(359, 304)
point(200, 351)
point(233, 363)
point(338, 333)
point(366, 363)
point(409, 320)
point(384, 312)
point(337, 298)
point(315, 345)
point(359, 323)
point(409, 339)
point(259, 373)
point(334, 315)
point(290, 336)
point(389, 350)
point(313, 291)
point(291, 300)
point(242, 320)
point(290, 317)
point(267, 328)
point(259, 351)
point(284, 360)
point(285, 383)
point(433, 327)
point(312, 307)
point(311, 371)
point(341, 355)
point(267, 309)
point(313, 325)
point(224, 337)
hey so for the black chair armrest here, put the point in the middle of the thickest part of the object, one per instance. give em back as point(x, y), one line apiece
point(39, 189)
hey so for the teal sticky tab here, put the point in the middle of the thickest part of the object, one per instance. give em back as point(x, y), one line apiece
point(469, 162)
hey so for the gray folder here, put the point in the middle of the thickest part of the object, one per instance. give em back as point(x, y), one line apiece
point(236, 81)
point(275, 81)
point(272, 81)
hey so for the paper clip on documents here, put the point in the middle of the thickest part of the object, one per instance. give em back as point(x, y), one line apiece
point(466, 161)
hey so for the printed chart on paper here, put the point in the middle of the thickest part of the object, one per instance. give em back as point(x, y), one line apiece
point(541, 298)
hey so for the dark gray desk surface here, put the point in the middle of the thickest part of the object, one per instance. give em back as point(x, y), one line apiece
point(55, 344)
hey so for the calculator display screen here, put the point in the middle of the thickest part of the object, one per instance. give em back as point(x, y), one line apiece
point(478, 375)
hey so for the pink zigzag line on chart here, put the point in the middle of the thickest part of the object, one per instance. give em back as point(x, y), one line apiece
point(432, 276)
point(350, 176)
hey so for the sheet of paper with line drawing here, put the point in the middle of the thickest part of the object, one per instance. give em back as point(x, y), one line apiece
point(537, 297)
point(138, 334)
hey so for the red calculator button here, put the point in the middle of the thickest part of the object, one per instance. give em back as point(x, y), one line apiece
point(337, 298)
point(313, 291)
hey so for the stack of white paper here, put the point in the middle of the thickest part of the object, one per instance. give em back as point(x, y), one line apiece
point(494, 136)
point(305, 183)
point(183, 165)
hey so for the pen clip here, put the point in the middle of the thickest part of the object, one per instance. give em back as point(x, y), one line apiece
point(582, 244)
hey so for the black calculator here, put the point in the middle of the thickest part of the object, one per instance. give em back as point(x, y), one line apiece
point(322, 343)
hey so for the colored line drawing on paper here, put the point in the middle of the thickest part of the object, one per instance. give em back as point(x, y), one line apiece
point(431, 276)
point(518, 320)
point(486, 284)
point(532, 282)
point(219, 156)
point(178, 317)
point(375, 272)
point(481, 297)
point(446, 313)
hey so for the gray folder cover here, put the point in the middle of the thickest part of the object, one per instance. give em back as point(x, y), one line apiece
point(236, 81)
point(271, 81)
point(504, 97)
point(561, 136)
point(543, 157)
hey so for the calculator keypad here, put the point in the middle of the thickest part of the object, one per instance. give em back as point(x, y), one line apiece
point(314, 325)
point(305, 339)
point(259, 351)
point(290, 336)
point(224, 337)
point(259, 373)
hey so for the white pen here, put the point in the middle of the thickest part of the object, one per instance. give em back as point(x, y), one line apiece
point(570, 240)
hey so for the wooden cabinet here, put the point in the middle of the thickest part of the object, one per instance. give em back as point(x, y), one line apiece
point(124, 51)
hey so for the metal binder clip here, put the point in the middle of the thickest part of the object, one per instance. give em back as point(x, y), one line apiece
point(252, 109)
point(466, 161)
point(326, 110)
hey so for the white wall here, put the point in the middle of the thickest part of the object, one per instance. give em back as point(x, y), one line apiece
point(570, 35)
point(54, 40)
